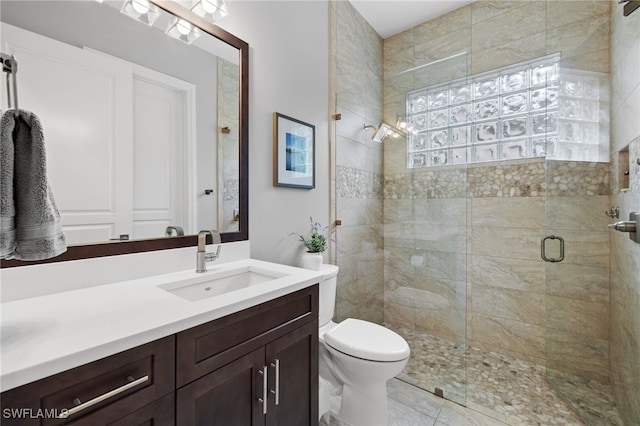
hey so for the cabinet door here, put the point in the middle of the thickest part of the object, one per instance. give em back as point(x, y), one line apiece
point(225, 397)
point(293, 378)
point(159, 413)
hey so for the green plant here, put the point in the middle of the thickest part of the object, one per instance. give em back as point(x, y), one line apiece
point(316, 241)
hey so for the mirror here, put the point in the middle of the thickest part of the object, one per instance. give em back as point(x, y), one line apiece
point(211, 161)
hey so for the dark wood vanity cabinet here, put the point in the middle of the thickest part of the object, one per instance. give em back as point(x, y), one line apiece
point(258, 366)
point(101, 392)
point(237, 394)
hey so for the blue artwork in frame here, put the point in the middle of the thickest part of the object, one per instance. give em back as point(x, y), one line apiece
point(294, 152)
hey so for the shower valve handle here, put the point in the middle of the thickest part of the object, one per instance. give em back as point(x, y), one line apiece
point(624, 226)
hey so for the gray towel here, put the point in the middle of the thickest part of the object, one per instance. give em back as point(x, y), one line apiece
point(38, 230)
point(7, 206)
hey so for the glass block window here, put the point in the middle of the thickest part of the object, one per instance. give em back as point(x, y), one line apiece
point(527, 110)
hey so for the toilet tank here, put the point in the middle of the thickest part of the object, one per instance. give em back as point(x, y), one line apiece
point(327, 293)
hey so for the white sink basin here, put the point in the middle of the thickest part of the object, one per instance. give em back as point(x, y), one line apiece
point(214, 283)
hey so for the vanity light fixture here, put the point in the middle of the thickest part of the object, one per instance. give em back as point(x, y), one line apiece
point(211, 10)
point(141, 10)
point(182, 30)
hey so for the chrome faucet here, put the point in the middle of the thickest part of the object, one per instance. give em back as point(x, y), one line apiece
point(171, 229)
point(202, 256)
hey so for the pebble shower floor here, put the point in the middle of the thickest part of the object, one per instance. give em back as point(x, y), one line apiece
point(511, 390)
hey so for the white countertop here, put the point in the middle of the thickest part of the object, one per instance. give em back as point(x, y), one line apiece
point(49, 334)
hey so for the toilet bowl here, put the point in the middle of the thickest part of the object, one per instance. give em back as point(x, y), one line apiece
point(356, 359)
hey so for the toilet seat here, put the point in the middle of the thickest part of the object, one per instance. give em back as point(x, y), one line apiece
point(366, 340)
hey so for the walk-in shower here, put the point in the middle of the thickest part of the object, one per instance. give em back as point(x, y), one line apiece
point(480, 235)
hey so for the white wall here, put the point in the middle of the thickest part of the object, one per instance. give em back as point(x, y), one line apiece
point(289, 67)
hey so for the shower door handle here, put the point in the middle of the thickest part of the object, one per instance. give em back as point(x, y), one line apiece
point(543, 249)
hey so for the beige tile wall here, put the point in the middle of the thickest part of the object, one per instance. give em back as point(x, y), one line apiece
point(491, 240)
point(357, 53)
point(625, 254)
point(493, 244)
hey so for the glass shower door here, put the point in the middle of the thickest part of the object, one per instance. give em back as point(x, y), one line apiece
point(576, 248)
point(425, 234)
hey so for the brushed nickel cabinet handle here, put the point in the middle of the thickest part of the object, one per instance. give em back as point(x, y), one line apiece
point(276, 392)
point(132, 384)
point(263, 400)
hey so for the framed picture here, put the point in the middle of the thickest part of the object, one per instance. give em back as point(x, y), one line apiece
point(294, 152)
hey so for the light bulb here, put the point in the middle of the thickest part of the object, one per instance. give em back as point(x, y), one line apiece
point(140, 6)
point(183, 27)
point(209, 6)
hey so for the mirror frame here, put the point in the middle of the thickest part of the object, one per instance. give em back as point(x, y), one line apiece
point(86, 251)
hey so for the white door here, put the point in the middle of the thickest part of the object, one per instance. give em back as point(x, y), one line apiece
point(83, 100)
point(160, 190)
point(119, 138)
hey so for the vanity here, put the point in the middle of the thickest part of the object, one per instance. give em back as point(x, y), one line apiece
point(167, 350)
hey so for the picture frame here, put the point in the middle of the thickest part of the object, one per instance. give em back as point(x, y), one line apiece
point(294, 152)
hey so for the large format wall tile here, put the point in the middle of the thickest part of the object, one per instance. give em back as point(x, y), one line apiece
point(514, 338)
point(499, 30)
point(583, 356)
point(359, 211)
point(516, 274)
point(482, 10)
point(507, 303)
point(579, 317)
point(584, 248)
point(434, 237)
point(519, 50)
point(515, 243)
point(442, 211)
point(578, 282)
point(561, 13)
point(580, 38)
point(440, 264)
point(578, 212)
point(515, 212)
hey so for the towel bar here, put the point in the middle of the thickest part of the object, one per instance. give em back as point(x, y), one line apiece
point(10, 67)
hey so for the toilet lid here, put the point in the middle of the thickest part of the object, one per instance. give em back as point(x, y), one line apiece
point(366, 340)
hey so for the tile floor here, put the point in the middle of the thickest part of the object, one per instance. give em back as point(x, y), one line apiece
point(411, 406)
point(496, 389)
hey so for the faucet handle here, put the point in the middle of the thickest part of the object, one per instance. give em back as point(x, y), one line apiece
point(215, 236)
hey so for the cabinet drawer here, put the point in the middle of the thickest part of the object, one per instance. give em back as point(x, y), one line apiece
point(122, 382)
point(205, 348)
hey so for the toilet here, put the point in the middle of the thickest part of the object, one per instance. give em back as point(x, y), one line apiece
point(356, 360)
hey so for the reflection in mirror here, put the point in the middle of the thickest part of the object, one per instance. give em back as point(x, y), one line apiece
point(147, 166)
point(143, 131)
point(228, 146)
